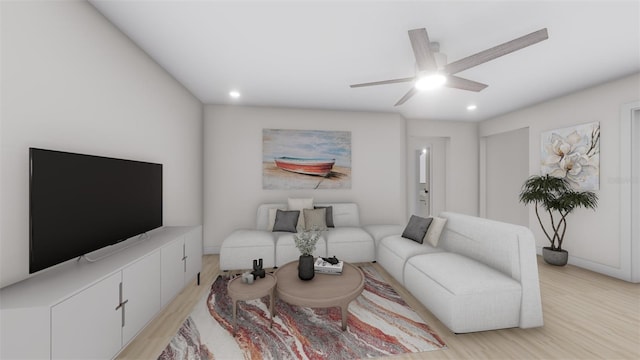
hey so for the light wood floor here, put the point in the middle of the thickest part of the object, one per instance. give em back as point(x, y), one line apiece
point(586, 315)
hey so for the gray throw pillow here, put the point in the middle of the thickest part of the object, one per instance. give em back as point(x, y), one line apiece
point(315, 219)
point(329, 214)
point(286, 220)
point(416, 228)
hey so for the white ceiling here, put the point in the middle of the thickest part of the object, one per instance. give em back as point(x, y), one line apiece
point(306, 54)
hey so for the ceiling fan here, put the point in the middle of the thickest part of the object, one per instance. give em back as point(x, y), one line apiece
point(433, 71)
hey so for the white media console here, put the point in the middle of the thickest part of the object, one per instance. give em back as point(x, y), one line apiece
point(92, 310)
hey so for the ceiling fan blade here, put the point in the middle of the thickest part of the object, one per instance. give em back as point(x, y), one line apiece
point(421, 50)
point(464, 84)
point(407, 96)
point(384, 82)
point(497, 51)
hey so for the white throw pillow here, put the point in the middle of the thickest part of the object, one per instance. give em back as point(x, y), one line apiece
point(300, 204)
point(433, 234)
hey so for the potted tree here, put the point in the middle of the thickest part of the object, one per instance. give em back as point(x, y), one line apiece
point(558, 200)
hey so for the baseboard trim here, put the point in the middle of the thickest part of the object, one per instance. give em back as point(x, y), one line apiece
point(211, 249)
point(617, 273)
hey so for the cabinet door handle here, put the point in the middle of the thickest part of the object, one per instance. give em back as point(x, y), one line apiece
point(119, 297)
point(121, 305)
point(123, 309)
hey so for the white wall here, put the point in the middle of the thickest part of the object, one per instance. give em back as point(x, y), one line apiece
point(593, 237)
point(72, 82)
point(461, 160)
point(233, 165)
point(507, 165)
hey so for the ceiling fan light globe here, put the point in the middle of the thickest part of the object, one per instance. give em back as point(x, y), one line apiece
point(430, 82)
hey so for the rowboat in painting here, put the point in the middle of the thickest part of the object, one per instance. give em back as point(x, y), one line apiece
point(318, 167)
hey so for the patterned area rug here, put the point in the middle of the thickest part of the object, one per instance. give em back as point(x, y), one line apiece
point(379, 323)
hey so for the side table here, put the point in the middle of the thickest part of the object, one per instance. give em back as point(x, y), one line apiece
point(239, 291)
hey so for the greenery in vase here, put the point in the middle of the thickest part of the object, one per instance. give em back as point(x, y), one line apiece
point(555, 196)
point(306, 241)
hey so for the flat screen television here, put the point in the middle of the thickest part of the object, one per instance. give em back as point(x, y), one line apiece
point(81, 203)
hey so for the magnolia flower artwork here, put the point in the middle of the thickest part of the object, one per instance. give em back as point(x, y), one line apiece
point(573, 153)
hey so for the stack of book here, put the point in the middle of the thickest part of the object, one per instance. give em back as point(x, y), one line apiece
point(324, 267)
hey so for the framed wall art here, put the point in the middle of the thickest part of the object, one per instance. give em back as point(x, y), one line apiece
point(573, 153)
point(306, 159)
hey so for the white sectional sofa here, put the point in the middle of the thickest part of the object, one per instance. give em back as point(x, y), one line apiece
point(482, 275)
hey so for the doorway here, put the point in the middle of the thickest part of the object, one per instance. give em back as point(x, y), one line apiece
point(629, 182)
point(423, 181)
point(635, 195)
point(426, 178)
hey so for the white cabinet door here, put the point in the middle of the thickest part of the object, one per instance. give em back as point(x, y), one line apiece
point(141, 290)
point(87, 325)
point(172, 270)
point(193, 253)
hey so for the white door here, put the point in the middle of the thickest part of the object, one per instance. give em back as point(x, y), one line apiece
point(87, 325)
point(141, 291)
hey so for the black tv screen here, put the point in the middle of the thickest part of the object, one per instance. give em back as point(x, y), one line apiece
point(80, 203)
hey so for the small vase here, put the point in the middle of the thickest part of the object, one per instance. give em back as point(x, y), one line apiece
point(305, 267)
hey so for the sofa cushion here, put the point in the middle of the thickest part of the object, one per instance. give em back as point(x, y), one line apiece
point(344, 214)
point(417, 228)
point(435, 229)
point(242, 246)
point(351, 244)
point(464, 294)
point(394, 251)
point(461, 275)
point(300, 204)
point(315, 219)
point(286, 220)
point(404, 248)
point(329, 213)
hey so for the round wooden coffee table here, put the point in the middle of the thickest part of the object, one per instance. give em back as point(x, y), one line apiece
point(239, 291)
point(322, 291)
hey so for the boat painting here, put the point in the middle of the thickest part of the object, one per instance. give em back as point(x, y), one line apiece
point(306, 159)
point(317, 167)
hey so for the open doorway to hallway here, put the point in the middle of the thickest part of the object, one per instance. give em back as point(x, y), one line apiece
point(426, 188)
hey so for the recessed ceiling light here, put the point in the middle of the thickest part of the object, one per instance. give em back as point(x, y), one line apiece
point(234, 94)
point(471, 107)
